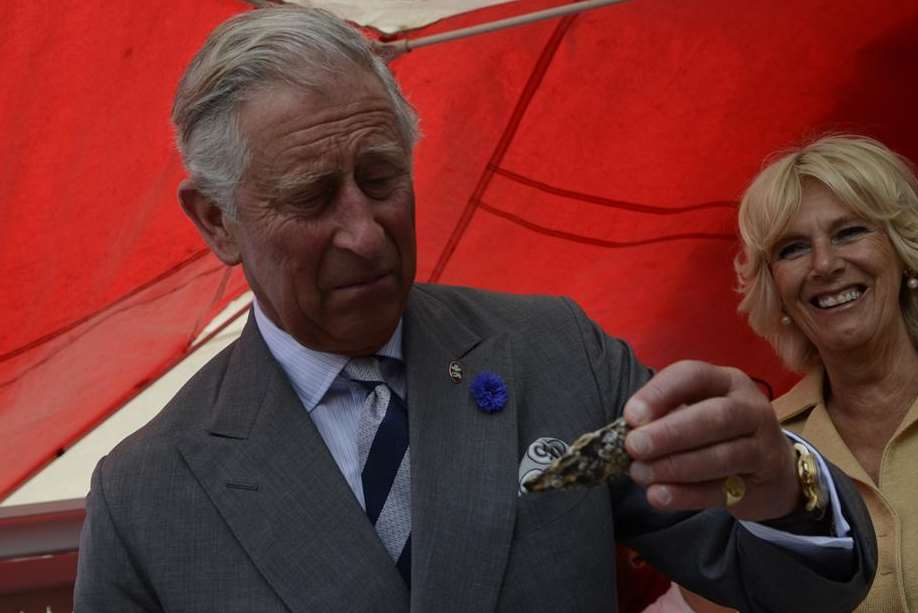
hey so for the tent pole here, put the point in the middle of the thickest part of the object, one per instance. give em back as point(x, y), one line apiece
point(396, 48)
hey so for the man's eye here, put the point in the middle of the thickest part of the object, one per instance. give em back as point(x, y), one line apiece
point(378, 185)
point(303, 203)
point(307, 204)
point(306, 200)
point(792, 250)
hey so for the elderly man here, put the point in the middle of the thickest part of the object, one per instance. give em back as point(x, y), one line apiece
point(359, 447)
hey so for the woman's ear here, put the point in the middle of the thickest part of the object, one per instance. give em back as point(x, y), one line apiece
point(215, 226)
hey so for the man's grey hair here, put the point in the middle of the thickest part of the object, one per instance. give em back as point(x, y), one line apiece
point(282, 45)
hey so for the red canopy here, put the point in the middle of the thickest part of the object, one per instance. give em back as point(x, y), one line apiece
point(597, 156)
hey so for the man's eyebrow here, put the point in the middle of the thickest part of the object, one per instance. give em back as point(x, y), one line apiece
point(297, 181)
point(387, 150)
point(305, 176)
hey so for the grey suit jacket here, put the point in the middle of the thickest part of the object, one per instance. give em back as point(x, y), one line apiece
point(230, 501)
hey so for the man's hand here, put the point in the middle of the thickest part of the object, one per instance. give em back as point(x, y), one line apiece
point(696, 424)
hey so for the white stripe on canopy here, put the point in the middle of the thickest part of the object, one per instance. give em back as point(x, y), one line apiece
point(397, 15)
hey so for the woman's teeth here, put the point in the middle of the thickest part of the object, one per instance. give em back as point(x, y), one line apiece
point(849, 295)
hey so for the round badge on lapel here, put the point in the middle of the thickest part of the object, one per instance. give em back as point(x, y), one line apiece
point(455, 371)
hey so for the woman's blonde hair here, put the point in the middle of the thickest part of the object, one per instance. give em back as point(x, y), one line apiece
point(875, 183)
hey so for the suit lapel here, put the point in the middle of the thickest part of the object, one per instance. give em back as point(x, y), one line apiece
point(271, 477)
point(463, 463)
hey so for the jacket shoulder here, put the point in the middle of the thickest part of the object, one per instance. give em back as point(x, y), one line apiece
point(493, 312)
point(188, 412)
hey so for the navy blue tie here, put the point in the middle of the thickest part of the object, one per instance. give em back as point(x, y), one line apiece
point(385, 462)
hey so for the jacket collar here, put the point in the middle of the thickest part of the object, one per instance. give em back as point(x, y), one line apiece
point(806, 394)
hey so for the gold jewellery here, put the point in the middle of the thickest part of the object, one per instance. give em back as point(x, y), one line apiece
point(814, 494)
point(734, 489)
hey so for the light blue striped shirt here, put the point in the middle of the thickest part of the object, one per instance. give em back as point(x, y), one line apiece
point(333, 401)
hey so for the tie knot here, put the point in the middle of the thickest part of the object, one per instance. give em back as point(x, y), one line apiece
point(364, 370)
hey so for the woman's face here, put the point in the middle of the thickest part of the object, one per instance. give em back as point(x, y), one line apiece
point(838, 276)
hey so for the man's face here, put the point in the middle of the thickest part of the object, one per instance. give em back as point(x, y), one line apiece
point(325, 224)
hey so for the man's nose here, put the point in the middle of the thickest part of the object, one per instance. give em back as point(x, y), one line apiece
point(359, 231)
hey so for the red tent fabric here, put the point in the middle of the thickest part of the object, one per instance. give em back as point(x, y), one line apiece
point(104, 284)
point(598, 156)
point(601, 156)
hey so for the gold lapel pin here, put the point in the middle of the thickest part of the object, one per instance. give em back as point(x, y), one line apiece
point(455, 371)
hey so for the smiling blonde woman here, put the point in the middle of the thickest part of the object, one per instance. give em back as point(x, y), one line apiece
point(828, 276)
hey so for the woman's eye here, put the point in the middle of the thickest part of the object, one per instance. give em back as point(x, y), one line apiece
point(792, 250)
point(850, 232)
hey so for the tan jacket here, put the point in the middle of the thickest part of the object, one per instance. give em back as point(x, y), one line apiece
point(893, 503)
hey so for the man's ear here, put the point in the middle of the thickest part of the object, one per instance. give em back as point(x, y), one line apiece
point(212, 222)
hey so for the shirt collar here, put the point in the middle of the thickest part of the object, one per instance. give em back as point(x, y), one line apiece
point(312, 372)
point(806, 394)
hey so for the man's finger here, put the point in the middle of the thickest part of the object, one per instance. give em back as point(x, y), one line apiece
point(691, 427)
point(738, 456)
point(687, 497)
point(679, 384)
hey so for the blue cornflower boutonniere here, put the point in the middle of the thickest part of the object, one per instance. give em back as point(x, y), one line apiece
point(490, 392)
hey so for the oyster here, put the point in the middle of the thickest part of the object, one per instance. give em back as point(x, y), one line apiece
point(594, 458)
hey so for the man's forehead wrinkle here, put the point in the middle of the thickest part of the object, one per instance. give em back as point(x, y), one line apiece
point(346, 124)
point(303, 162)
point(329, 116)
point(298, 136)
point(299, 125)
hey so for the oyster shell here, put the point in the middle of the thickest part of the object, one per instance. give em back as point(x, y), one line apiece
point(594, 458)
